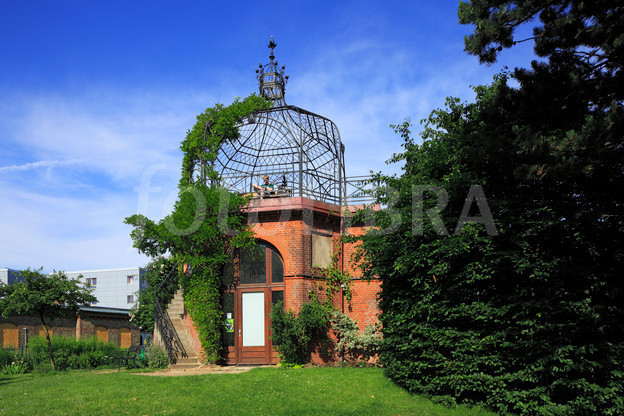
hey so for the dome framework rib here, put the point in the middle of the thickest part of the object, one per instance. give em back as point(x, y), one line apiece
point(300, 151)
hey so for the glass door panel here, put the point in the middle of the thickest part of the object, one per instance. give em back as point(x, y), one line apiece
point(253, 319)
point(228, 308)
point(277, 296)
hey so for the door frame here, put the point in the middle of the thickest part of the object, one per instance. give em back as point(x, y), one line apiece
point(256, 355)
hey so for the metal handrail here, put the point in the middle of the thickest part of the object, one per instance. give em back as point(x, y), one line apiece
point(359, 190)
point(168, 334)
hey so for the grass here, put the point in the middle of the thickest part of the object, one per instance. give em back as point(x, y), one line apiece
point(261, 391)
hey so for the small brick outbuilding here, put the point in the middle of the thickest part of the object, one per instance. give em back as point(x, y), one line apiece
point(107, 324)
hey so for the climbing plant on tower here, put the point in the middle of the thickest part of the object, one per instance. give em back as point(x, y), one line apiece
point(206, 224)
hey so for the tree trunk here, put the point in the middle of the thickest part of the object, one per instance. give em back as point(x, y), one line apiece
point(47, 333)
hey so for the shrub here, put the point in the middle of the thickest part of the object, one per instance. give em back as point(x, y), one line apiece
point(285, 335)
point(296, 336)
point(14, 362)
point(529, 321)
point(18, 366)
point(156, 356)
point(353, 344)
point(7, 356)
point(71, 353)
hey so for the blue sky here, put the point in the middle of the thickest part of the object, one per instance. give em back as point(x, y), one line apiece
point(95, 97)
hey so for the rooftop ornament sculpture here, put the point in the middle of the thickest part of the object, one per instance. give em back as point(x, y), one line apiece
point(271, 78)
point(300, 151)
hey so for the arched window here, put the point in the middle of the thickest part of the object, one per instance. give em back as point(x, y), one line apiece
point(8, 335)
point(260, 264)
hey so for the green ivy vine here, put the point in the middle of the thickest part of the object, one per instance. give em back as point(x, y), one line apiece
point(203, 142)
point(334, 279)
point(207, 223)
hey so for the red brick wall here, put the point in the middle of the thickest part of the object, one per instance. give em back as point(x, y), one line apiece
point(64, 327)
point(291, 233)
point(288, 224)
point(194, 336)
point(364, 306)
point(86, 327)
point(297, 291)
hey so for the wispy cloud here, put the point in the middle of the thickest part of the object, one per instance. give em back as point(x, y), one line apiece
point(36, 165)
point(65, 233)
point(95, 164)
point(114, 142)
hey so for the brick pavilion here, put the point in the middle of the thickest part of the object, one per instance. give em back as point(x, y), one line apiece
point(291, 162)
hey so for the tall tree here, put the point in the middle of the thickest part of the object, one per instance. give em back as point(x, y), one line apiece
point(529, 320)
point(47, 297)
point(583, 41)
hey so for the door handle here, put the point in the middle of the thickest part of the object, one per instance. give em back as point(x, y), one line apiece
point(239, 332)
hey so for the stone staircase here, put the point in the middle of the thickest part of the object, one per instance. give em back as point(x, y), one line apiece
point(176, 314)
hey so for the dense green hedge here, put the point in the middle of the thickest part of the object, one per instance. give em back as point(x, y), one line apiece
point(526, 321)
point(69, 353)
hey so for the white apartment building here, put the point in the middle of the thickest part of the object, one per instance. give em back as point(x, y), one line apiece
point(9, 276)
point(114, 288)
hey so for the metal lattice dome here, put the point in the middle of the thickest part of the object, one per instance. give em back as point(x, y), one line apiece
point(300, 151)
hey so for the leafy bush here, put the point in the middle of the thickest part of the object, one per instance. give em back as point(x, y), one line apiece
point(14, 362)
point(88, 359)
point(202, 301)
point(296, 336)
point(285, 335)
point(7, 356)
point(156, 356)
point(71, 353)
point(353, 344)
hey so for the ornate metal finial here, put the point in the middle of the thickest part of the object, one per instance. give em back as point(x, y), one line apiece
point(271, 78)
point(272, 46)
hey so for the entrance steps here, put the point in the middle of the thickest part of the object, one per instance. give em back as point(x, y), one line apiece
point(176, 312)
point(187, 363)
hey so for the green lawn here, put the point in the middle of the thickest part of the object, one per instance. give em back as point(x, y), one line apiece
point(261, 391)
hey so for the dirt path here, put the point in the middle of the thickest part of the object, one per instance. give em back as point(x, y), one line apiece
point(204, 369)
